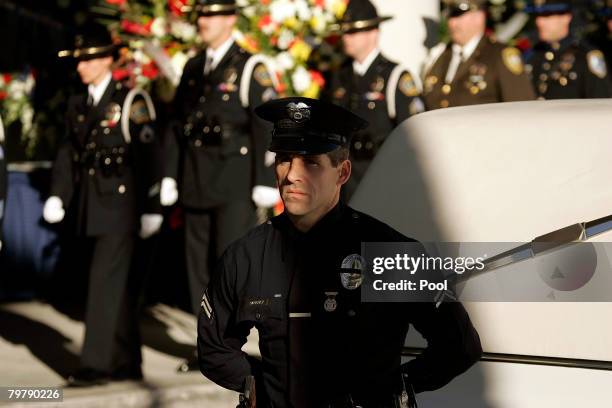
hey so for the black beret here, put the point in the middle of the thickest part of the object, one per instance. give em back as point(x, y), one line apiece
point(309, 126)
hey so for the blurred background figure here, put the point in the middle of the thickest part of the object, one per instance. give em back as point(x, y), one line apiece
point(105, 186)
point(602, 35)
point(561, 66)
point(2, 179)
point(472, 68)
point(218, 167)
point(377, 89)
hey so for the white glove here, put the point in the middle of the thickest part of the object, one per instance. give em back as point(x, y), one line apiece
point(168, 193)
point(53, 211)
point(150, 224)
point(264, 196)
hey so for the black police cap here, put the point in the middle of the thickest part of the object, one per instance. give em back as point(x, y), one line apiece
point(360, 15)
point(548, 7)
point(455, 8)
point(309, 126)
point(94, 41)
point(216, 7)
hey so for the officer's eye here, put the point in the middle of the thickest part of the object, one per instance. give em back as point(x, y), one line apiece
point(311, 161)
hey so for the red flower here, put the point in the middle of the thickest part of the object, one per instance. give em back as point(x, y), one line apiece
point(3, 95)
point(120, 74)
point(116, 2)
point(320, 3)
point(265, 2)
point(150, 70)
point(317, 78)
point(135, 28)
point(176, 7)
point(523, 44)
point(7, 78)
point(264, 21)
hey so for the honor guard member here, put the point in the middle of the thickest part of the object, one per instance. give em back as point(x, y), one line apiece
point(377, 89)
point(3, 179)
point(320, 345)
point(472, 68)
point(219, 155)
point(103, 179)
point(561, 66)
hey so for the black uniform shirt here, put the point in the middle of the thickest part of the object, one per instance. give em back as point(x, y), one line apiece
point(316, 338)
point(568, 70)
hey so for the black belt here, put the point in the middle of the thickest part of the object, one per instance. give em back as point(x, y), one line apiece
point(111, 161)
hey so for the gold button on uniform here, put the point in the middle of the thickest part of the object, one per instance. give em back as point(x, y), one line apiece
point(549, 55)
point(563, 81)
point(121, 189)
point(197, 143)
point(371, 105)
point(92, 172)
point(444, 103)
point(446, 88)
point(244, 150)
point(225, 97)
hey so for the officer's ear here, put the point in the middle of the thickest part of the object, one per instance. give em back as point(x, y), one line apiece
point(345, 172)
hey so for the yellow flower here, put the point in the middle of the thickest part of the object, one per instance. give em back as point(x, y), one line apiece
point(300, 50)
point(339, 7)
point(312, 91)
point(292, 23)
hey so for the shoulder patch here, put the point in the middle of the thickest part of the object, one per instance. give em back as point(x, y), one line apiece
point(262, 76)
point(139, 113)
point(407, 86)
point(597, 63)
point(512, 60)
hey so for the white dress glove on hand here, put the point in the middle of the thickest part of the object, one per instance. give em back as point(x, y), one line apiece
point(264, 196)
point(150, 224)
point(53, 211)
point(168, 193)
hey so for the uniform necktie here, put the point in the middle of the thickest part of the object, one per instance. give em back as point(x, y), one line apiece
point(455, 61)
point(208, 65)
point(90, 100)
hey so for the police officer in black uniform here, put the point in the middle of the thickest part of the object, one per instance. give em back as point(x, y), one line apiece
point(378, 89)
point(320, 345)
point(561, 66)
point(219, 152)
point(104, 179)
point(3, 179)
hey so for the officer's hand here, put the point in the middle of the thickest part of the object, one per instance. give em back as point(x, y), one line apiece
point(264, 196)
point(150, 224)
point(168, 193)
point(53, 211)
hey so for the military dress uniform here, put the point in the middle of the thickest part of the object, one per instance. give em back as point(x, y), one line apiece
point(568, 69)
point(493, 73)
point(385, 95)
point(320, 345)
point(219, 154)
point(105, 176)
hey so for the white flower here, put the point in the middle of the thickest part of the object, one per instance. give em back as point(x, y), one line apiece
point(158, 27)
point(27, 114)
point(248, 11)
point(301, 79)
point(178, 62)
point(29, 83)
point(268, 29)
point(140, 57)
point(17, 89)
point(183, 30)
point(284, 61)
point(319, 20)
point(303, 10)
point(280, 10)
point(285, 39)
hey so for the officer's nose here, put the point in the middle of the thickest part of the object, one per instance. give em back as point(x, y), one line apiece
point(296, 170)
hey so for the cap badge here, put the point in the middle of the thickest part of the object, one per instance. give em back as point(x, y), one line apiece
point(298, 112)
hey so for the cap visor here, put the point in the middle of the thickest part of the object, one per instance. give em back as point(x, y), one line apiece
point(298, 146)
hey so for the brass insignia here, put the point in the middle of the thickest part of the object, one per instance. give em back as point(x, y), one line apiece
point(139, 113)
point(262, 76)
point(299, 112)
point(353, 278)
point(407, 85)
point(379, 84)
point(512, 60)
point(430, 82)
point(230, 75)
point(597, 63)
point(112, 114)
point(339, 93)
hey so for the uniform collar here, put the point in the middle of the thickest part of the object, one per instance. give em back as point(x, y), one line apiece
point(323, 226)
point(558, 45)
point(219, 53)
point(97, 91)
point(361, 68)
point(468, 49)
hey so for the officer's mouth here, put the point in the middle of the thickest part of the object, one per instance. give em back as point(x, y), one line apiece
point(295, 193)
